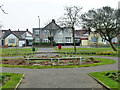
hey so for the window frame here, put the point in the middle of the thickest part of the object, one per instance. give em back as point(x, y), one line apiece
point(10, 41)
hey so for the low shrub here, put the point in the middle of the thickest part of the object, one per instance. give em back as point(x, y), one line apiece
point(44, 43)
point(2, 78)
point(107, 53)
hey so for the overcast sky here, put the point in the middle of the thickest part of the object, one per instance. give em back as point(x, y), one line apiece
point(23, 14)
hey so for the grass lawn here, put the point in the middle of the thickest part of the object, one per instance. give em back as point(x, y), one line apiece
point(104, 79)
point(90, 51)
point(5, 52)
point(104, 61)
point(14, 80)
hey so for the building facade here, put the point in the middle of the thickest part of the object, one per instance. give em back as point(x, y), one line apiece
point(16, 38)
point(61, 35)
point(95, 39)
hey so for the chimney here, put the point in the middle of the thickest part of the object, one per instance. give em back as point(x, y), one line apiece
point(53, 20)
point(27, 30)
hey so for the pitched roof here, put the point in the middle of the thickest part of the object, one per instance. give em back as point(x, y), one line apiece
point(52, 26)
point(8, 32)
point(16, 33)
point(81, 32)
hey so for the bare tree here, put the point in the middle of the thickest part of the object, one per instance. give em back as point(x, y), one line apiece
point(105, 21)
point(71, 19)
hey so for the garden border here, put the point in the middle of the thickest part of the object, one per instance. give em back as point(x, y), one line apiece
point(19, 81)
point(13, 82)
point(107, 87)
point(74, 66)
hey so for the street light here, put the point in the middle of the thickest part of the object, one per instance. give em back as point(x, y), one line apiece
point(39, 30)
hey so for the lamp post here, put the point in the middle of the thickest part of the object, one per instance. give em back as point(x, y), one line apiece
point(39, 30)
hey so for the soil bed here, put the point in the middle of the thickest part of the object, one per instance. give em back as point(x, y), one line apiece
point(54, 62)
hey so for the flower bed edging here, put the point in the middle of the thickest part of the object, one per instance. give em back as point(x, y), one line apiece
point(19, 82)
point(107, 87)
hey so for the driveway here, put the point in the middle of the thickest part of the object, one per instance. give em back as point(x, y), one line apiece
point(61, 78)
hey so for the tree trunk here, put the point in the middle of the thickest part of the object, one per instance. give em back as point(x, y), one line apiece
point(51, 42)
point(74, 39)
point(113, 47)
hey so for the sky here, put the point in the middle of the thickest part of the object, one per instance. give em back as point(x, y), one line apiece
point(23, 14)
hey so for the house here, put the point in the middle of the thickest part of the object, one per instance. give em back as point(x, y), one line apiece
point(95, 39)
point(16, 38)
point(62, 35)
point(82, 35)
point(8, 38)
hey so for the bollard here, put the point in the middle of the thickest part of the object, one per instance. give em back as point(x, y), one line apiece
point(51, 61)
point(80, 60)
point(58, 61)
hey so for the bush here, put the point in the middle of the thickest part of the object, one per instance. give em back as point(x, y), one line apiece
point(2, 78)
point(107, 53)
point(44, 43)
point(41, 43)
point(10, 46)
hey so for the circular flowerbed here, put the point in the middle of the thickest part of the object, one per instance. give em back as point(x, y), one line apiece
point(44, 61)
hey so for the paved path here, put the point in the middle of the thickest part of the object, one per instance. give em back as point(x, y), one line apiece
point(50, 50)
point(40, 50)
point(61, 78)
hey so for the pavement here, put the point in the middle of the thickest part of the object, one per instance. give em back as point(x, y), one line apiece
point(61, 77)
point(46, 52)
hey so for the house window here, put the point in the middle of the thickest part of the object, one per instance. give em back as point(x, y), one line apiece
point(45, 40)
point(37, 40)
point(36, 32)
point(11, 40)
point(93, 39)
point(68, 39)
point(45, 32)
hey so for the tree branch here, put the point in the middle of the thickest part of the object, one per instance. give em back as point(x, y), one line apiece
point(3, 10)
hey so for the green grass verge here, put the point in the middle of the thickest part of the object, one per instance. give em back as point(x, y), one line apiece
point(104, 61)
point(5, 52)
point(14, 80)
point(107, 81)
point(102, 49)
point(90, 51)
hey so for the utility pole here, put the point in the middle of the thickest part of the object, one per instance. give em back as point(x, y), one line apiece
point(39, 30)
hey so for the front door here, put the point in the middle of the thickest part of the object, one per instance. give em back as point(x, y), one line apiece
point(2, 42)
